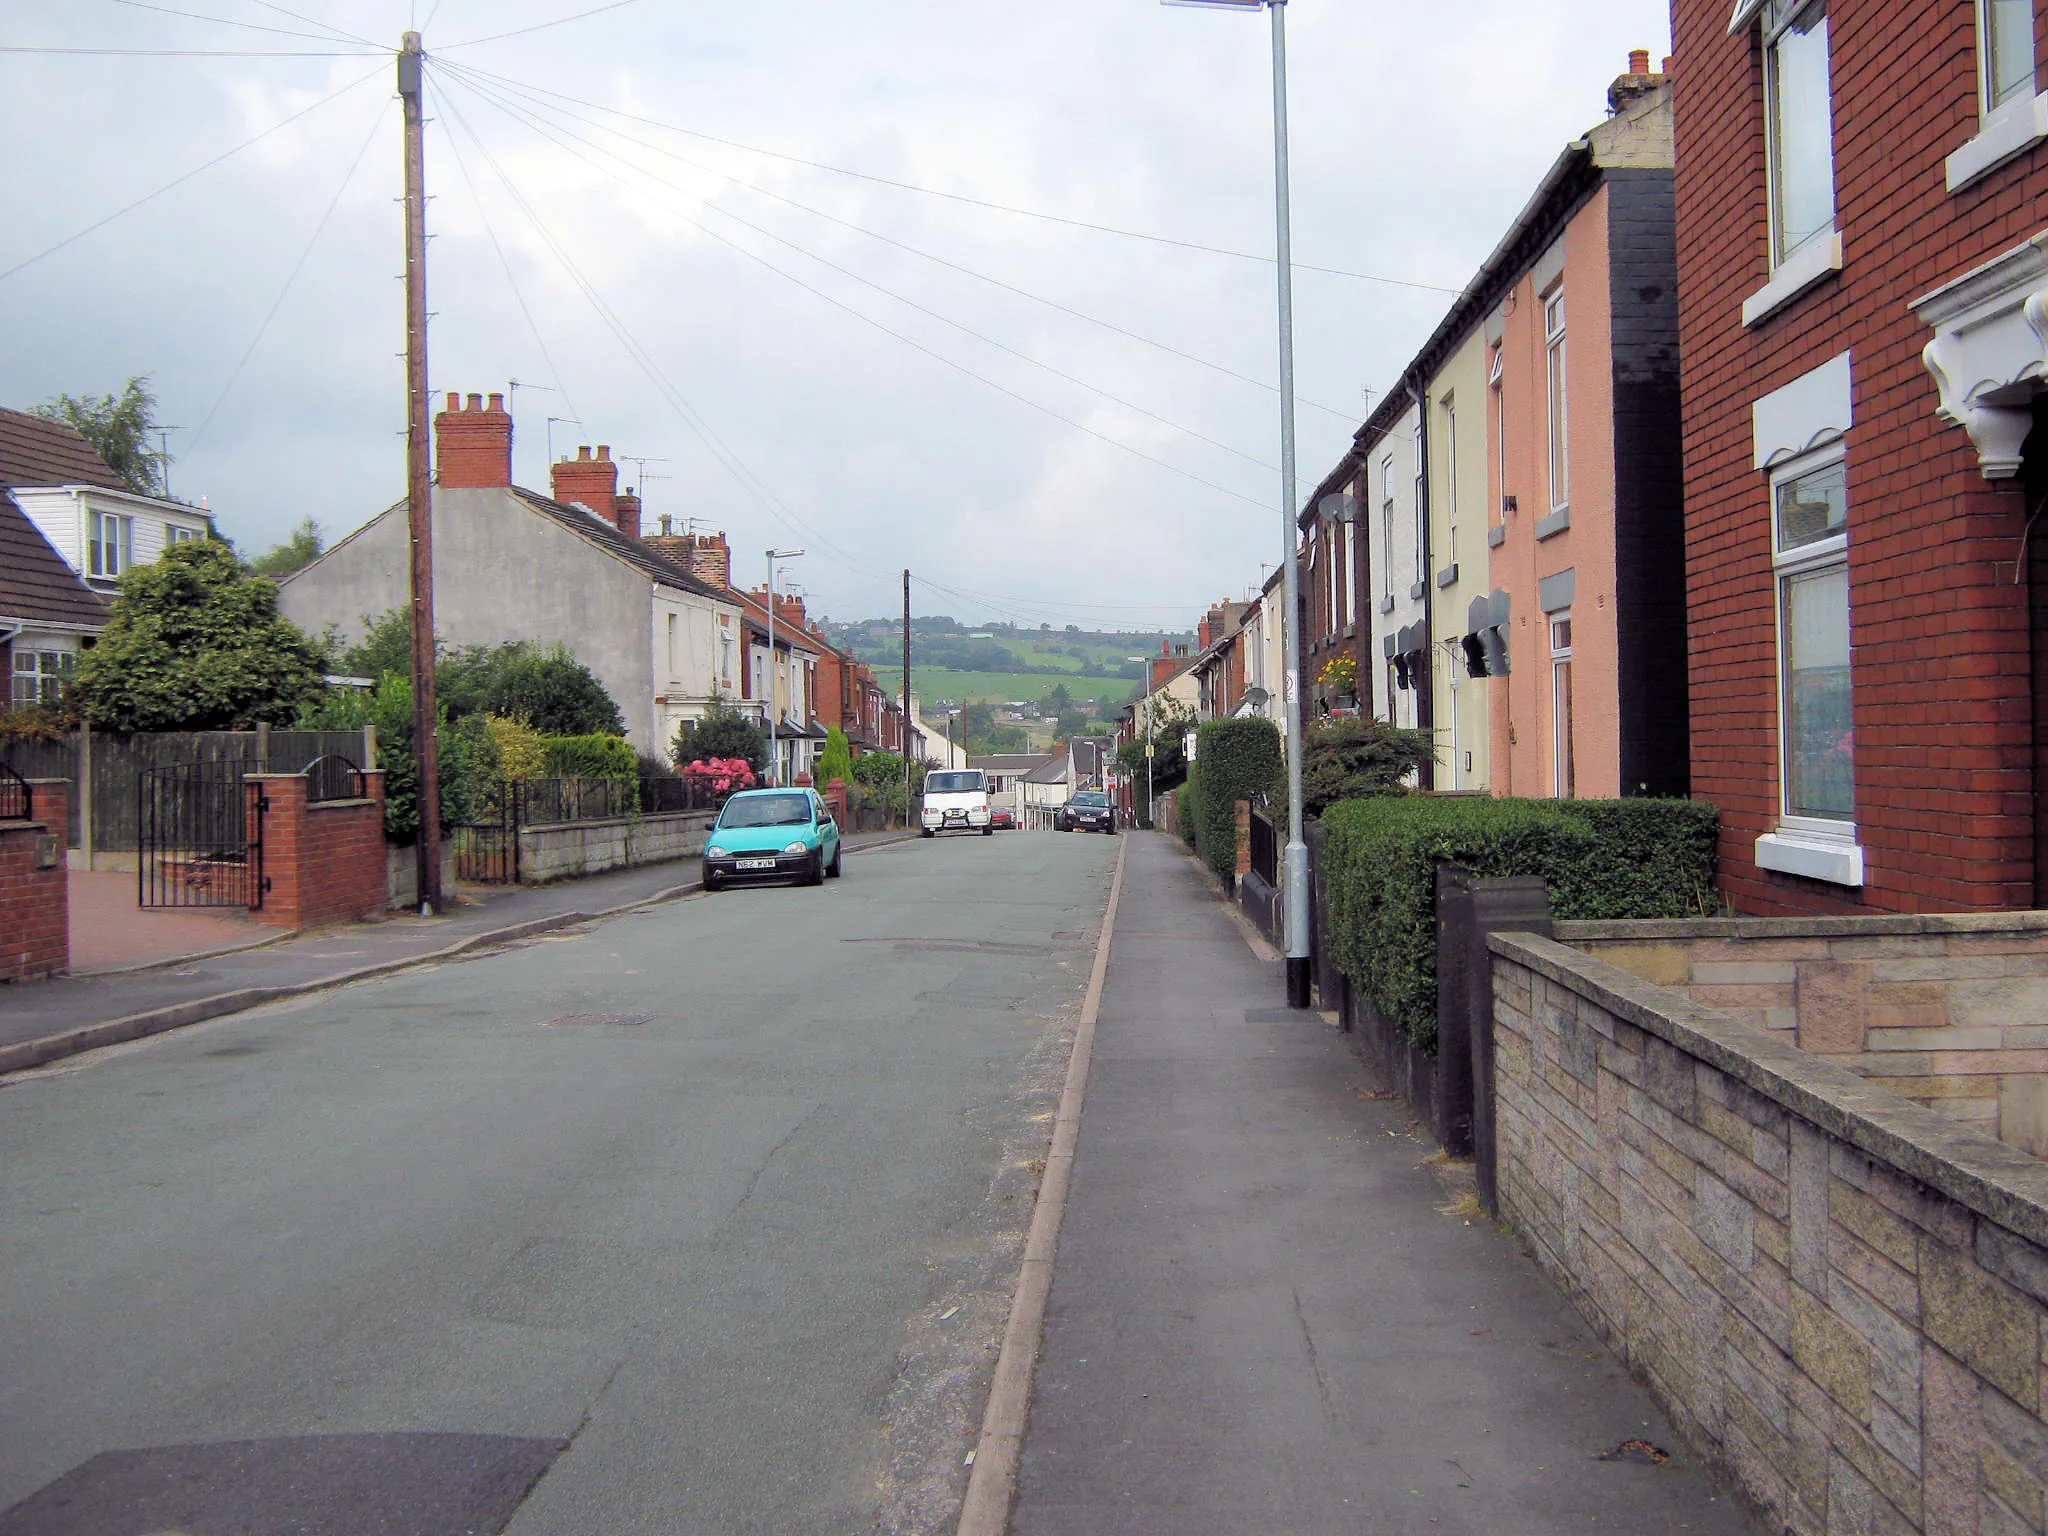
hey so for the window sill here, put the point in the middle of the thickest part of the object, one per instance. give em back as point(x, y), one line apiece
point(1817, 858)
point(1418, 588)
point(1387, 603)
point(1496, 536)
point(1557, 522)
point(2014, 127)
point(1798, 272)
point(1448, 576)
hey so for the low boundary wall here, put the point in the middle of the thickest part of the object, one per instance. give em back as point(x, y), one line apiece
point(35, 921)
point(591, 847)
point(1839, 1294)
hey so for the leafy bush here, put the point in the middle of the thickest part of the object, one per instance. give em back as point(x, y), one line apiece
point(721, 732)
point(519, 747)
point(1600, 858)
point(554, 693)
point(588, 757)
point(470, 768)
point(1234, 760)
point(1351, 759)
point(836, 761)
point(195, 643)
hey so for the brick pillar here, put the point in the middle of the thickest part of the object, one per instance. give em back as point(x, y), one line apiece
point(35, 922)
point(835, 796)
point(281, 829)
point(1244, 838)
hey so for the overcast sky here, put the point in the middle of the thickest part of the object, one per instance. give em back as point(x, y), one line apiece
point(631, 269)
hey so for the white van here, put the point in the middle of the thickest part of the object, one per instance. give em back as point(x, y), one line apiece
point(955, 800)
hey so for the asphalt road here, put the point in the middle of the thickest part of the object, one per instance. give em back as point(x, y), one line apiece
point(409, 1257)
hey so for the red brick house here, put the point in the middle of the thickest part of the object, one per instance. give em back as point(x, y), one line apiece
point(1862, 196)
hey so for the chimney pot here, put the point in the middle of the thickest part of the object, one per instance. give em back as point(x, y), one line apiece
point(604, 450)
point(583, 454)
point(666, 521)
point(1639, 61)
point(454, 401)
point(497, 402)
point(1666, 65)
point(476, 402)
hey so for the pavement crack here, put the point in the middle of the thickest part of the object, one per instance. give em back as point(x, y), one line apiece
point(1315, 1362)
point(754, 1179)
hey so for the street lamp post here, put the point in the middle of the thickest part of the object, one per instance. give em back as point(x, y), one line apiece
point(774, 758)
point(1294, 883)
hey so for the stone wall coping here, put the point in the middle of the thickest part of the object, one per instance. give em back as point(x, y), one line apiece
point(337, 805)
point(1888, 926)
point(650, 818)
point(1990, 1178)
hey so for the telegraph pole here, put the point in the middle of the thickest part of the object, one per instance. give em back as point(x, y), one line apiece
point(419, 484)
point(909, 810)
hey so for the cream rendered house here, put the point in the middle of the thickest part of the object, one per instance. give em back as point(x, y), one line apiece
point(1457, 397)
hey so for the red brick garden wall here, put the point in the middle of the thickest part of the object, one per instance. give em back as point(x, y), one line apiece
point(1943, 713)
point(35, 929)
point(322, 863)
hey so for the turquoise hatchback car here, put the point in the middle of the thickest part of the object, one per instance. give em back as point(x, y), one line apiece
point(772, 834)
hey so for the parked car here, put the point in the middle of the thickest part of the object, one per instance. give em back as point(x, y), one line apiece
point(773, 834)
point(1002, 819)
point(1088, 811)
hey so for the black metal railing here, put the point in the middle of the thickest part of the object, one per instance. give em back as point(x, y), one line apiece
point(1265, 849)
point(201, 838)
point(330, 776)
point(17, 802)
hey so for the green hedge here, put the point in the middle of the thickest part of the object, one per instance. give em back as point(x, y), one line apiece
point(588, 757)
point(1600, 859)
point(1234, 760)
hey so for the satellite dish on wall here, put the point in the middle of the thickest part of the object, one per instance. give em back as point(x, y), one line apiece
point(1339, 507)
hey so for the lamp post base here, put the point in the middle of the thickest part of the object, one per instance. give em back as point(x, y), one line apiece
point(1297, 981)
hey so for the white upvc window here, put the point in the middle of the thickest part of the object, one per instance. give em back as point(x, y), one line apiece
point(2011, 114)
point(1554, 373)
point(1421, 508)
point(1450, 410)
point(1798, 124)
point(110, 544)
point(40, 676)
point(2005, 52)
point(1564, 770)
point(1816, 833)
point(173, 534)
point(1387, 526)
point(1495, 375)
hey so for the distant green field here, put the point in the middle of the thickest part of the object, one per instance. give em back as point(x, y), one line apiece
point(999, 687)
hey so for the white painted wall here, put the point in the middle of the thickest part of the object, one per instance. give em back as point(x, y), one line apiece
point(1393, 549)
point(62, 513)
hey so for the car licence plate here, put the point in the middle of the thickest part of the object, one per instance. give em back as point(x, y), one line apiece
point(753, 864)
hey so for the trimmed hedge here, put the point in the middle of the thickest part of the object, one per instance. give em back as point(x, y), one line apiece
point(588, 757)
point(1600, 859)
point(1234, 760)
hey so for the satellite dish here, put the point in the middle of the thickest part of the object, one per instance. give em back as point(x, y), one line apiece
point(1339, 507)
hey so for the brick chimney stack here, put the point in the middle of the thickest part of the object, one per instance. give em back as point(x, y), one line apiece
point(473, 444)
point(589, 482)
point(1638, 82)
point(627, 508)
point(705, 556)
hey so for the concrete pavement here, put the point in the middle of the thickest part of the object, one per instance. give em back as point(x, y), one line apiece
point(1261, 1323)
point(46, 1020)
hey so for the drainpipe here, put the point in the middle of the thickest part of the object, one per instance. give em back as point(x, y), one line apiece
point(1425, 686)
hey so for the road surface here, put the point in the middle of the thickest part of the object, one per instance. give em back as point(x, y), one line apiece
point(434, 1253)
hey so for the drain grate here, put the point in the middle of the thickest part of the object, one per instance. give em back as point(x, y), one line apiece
point(598, 1018)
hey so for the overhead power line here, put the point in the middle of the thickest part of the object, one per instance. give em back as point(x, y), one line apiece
point(184, 53)
point(195, 171)
point(940, 357)
point(534, 96)
point(542, 26)
point(978, 202)
point(251, 26)
point(325, 26)
point(542, 127)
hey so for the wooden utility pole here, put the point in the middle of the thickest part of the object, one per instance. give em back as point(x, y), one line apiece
point(419, 485)
point(910, 810)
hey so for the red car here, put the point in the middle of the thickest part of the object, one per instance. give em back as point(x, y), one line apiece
point(1002, 819)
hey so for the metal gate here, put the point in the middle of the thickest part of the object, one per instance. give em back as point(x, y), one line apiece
point(200, 837)
point(487, 845)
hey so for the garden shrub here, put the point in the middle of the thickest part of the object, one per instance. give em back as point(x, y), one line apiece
point(519, 748)
point(588, 757)
point(1600, 859)
point(1351, 759)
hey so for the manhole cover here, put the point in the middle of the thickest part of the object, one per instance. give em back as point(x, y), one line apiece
point(598, 1018)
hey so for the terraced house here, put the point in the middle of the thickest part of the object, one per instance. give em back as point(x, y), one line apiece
point(1863, 274)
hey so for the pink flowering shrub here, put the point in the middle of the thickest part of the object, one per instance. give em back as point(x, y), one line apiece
point(722, 774)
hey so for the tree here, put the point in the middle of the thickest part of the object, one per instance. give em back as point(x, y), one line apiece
point(1071, 722)
point(195, 643)
point(554, 693)
point(301, 549)
point(722, 732)
point(1059, 699)
point(118, 427)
